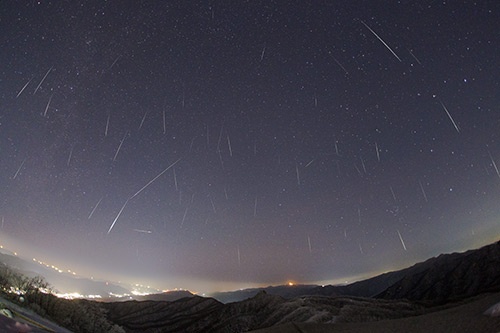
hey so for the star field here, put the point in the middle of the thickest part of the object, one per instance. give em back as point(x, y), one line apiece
point(215, 144)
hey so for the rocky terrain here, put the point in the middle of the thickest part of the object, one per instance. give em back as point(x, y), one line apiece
point(466, 316)
point(197, 314)
point(436, 285)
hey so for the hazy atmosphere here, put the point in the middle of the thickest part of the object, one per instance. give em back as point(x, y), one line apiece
point(214, 145)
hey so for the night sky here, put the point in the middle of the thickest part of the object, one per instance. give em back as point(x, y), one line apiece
point(211, 145)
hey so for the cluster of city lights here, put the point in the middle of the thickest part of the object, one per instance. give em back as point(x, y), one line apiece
point(136, 289)
point(69, 271)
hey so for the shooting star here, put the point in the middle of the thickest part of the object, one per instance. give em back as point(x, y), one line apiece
point(262, 54)
point(423, 192)
point(107, 126)
point(357, 169)
point(155, 178)
point(377, 151)
point(220, 159)
point(137, 193)
point(309, 243)
point(229, 146)
point(143, 118)
point(19, 169)
point(213, 206)
point(393, 195)
point(449, 116)
point(340, 65)
point(70, 154)
point(94, 209)
point(24, 87)
point(118, 215)
point(47, 107)
point(360, 248)
point(494, 164)
point(411, 53)
point(3, 220)
point(310, 162)
point(120, 146)
point(175, 181)
point(114, 62)
point(143, 231)
point(363, 164)
point(381, 40)
point(401, 239)
point(184, 217)
point(239, 256)
point(40, 84)
point(191, 144)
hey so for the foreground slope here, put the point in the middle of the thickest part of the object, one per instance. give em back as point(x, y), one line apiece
point(197, 314)
point(463, 318)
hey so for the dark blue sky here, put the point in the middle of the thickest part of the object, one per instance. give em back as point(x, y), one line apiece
point(317, 140)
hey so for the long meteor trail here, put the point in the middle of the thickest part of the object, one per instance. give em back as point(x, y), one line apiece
point(449, 116)
point(95, 207)
point(24, 87)
point(402, 241)
point(381, 40)
point(43, 79)
point(19, 169)
point(138, 192)
point(117, 216)
point(155, 178)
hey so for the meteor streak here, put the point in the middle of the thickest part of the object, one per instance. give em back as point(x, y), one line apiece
point(142, 231)
point(24, 87)
point(19, 169)
point(381, 40)
point(43, 79)
point(449, 116)
point(117, 216)
point(95, 207)
point(137, 193)
point(401, 239)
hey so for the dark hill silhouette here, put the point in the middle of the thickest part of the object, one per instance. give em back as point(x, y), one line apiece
point(447, 276)
point(450, 276)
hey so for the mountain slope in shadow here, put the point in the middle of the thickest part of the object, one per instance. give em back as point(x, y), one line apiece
point(414, 291)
